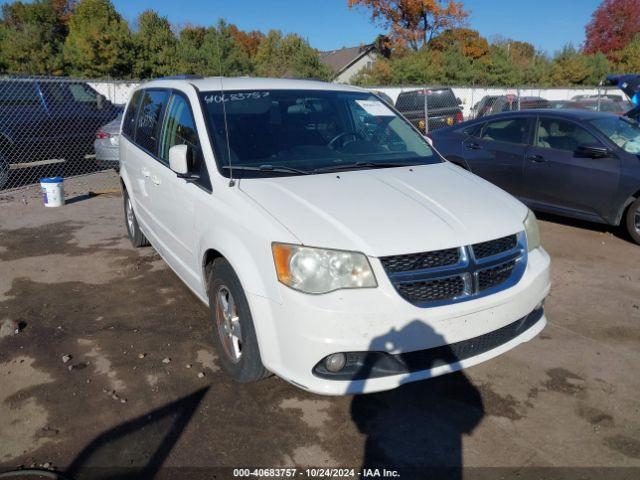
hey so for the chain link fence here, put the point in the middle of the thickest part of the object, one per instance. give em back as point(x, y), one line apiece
point(51, 126)
point(58, 127)
point(430, 108)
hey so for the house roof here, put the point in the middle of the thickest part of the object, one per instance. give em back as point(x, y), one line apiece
point(339, 60)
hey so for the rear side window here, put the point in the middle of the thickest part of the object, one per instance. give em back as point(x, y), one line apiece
point(562, 135)
point(148, 122)
point(18, 93)
point(129, 122)
point(83, 93)
point(435, 99)
point(513, 130)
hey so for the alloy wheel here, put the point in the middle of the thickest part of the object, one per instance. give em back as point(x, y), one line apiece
point(228, 324)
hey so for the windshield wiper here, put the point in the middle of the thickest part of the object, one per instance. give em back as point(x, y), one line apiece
point(267, 169)
point(334, 168)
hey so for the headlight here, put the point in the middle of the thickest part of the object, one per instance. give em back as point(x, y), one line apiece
point(532, 231)
point(316, 270)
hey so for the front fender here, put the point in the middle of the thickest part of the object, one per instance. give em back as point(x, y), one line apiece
point(251, 259)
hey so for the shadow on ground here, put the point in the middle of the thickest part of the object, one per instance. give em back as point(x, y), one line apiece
point(417, 428)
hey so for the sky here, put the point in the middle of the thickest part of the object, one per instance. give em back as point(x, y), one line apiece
point(330, 24)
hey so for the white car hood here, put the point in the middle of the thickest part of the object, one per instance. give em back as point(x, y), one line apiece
point(389, 211)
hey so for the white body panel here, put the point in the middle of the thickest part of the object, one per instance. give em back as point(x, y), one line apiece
point(378, 212)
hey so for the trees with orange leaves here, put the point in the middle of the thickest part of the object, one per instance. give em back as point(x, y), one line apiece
point(614, 24)
point(412, 23)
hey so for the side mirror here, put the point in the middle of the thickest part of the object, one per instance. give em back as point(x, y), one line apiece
point(178, 159)
point(593, 151)
point(459, 100)
point(429, 140)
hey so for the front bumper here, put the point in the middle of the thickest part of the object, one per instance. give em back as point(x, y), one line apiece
point(299, 332)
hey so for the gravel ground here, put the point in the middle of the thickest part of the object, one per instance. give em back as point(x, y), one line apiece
point(113, 367)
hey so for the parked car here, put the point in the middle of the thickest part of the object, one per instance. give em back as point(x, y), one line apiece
point(333, 246)
point(610, 97)
point(442, 107)
point(106, 144)
point(565, 104)
point(575, 163)
point(483, 107)
point(49, 119)
point(604, 105)
point(492, 104)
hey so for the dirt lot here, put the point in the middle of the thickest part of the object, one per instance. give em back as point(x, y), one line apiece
point(131, 393)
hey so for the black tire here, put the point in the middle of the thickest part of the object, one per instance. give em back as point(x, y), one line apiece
point(632, 220)
point(131, 222)
point(247, 366)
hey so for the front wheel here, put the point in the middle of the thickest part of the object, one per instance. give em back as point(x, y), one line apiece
point(633, 221)
point(234, 334)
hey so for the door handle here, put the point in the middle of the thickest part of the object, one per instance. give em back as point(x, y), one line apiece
point(145, 173)
point(536, 158)
point(473, 146)
point(156, 180)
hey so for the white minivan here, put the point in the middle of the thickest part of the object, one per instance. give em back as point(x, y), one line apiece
point(333, 245)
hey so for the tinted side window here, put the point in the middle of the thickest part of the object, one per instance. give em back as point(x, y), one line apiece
point(513, 130)
point(129, 122)
point(179, 128)
point(83, 93)
point(562, 135)
point(148, 122)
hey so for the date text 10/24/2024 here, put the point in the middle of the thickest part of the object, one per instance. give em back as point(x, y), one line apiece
point(315, 473)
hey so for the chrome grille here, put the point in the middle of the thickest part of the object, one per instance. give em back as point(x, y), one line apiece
point(457, 274)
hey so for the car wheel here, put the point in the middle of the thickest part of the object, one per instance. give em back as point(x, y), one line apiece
point(234, 334)
point(133, 229)
point(633, 220)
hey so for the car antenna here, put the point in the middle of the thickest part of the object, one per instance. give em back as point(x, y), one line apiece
point(232, 182)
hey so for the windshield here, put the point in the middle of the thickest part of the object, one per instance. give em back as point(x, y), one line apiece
point(294, 132)
point(622, 131)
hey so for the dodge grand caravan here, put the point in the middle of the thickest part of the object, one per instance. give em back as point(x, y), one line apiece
point(333, 246)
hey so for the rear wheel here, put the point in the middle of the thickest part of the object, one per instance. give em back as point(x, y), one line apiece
point(633, 221)
point(234, 334)
point(133, 229)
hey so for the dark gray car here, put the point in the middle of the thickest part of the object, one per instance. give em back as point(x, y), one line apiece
point(575, 163)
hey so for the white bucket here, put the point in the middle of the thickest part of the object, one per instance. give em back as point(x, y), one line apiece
point(52, 191)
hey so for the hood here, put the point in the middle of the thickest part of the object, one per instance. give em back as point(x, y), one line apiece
point(389, 211)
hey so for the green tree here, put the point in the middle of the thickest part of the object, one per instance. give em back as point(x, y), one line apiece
point(155, 46)
point(99, 42)
point(628, 59)
point(570, 67)
point(188, 57)
point(288, 56)
point(32, 36)
point(220, 53)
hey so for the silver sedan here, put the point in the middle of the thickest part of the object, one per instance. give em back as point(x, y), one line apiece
point(106, 144)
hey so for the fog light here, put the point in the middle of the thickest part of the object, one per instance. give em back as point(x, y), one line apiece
point(335, 363)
